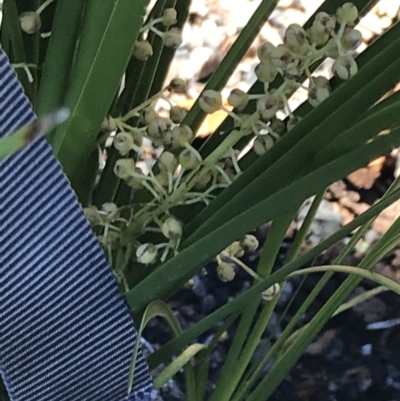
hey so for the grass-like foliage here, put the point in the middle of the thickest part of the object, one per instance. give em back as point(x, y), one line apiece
point(106, 62)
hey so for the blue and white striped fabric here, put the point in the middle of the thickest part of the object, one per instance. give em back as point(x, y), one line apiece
point(65, 332)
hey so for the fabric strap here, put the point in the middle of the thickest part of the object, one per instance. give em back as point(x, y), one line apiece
point(65, 332)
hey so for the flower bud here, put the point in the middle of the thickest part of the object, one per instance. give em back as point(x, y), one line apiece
point(227, 159)
point(264, 51)
point(137, 135)
point(303, 50)
point(281, 56)
point(210, 101)
point(321, 82)
point(333, 52)
point(262, 144)
point(347, 14)
point(295, 35)
point(202, 179)
point(238, 99)
point(108, 124)
point(229, 172)
point(292, 72)
point(109, 240)
point(172, 38)
point(166, 141)
point(93, 215)
point(147, 115)
point(171, 228)
point(188, 160)
point(278, 126)
point(142, 50)
point(324, 22)
point(271, 292)
point(30, 22)
point(233, 250)
point(123, 142)
point(135, 182)
point(157, 142)
point(181, 136)
point(265, 71)
point(146, 253)
point(316, 95)
point(351, 39)
point(177, 114)
point(157, 127)
point(124, 168)
point(162, 178)
point(249, 243)
point(320, 38)
point(167, 162)
point(226, 271)
point(177, 85)
point(345, 67)
point(267, 107)
point(169, 17)
point(278, 98)
point(110, 209)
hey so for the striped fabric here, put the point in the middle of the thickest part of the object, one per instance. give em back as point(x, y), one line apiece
point(65, 333)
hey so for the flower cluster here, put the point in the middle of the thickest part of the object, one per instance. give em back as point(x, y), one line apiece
point(181, 176)
point(172, 37)
point(329, 36)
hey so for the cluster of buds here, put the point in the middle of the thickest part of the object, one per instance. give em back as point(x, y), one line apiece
point(171, 229)
point(329, 36)
point(107, 217)
point(180, 169)
point(108, 213)
point(172, 37)
point(178, 157)
point(228, 260)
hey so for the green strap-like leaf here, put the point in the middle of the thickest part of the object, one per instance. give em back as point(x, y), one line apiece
point(177, 364)
point(42, 126)
point(156, 308)
point(109, 30)
point(58, 64)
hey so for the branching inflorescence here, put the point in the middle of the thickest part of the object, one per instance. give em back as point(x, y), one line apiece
point(181, 176)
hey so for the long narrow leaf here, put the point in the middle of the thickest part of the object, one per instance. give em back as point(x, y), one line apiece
point(109, 28)
point(25, 135)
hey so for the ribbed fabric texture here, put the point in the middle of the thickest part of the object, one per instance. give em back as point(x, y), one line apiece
point(65, 332)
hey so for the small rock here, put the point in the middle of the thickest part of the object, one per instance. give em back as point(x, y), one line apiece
point(320, 345)
point(371, 310)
